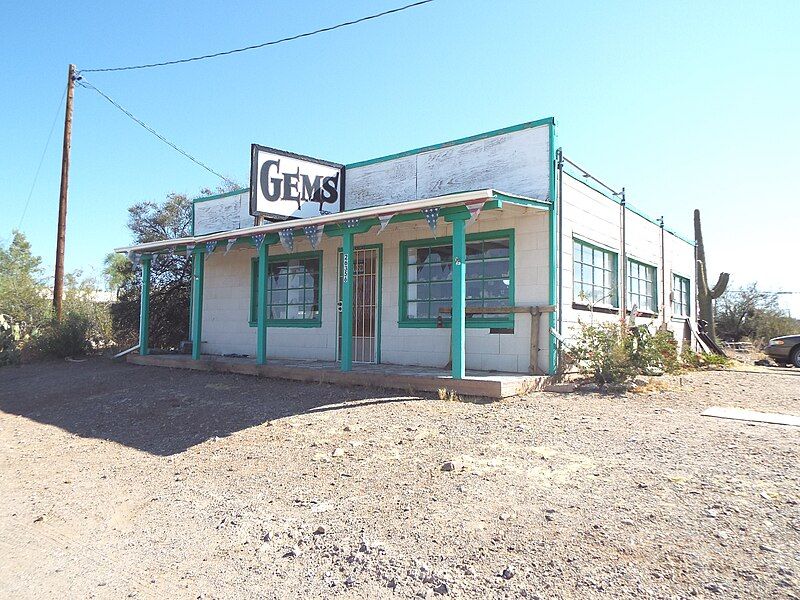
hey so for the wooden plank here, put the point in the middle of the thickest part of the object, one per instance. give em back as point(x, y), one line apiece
point(741, 414)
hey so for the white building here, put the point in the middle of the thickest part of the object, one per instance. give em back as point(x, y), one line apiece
point(412, 253)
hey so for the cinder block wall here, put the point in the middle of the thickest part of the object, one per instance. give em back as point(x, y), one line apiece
point(593, 217)
point(226, 303)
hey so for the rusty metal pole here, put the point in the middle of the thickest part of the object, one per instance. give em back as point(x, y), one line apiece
point(58, 283)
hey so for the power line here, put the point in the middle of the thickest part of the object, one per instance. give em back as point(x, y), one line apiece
point(83, 83)
point(41, 160)
point(256, 46)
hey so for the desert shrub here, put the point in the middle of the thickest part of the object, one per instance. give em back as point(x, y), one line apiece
point(654, 353)
point(604, 353)
point(700, 360)
point(73, 336)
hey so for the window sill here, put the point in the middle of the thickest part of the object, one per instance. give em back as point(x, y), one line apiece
point(602, 308)
point(293, 323)
point(470, 324)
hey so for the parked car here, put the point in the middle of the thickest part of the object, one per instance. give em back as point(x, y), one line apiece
point(784, 350)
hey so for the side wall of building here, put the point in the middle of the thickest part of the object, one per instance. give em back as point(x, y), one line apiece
point(226, 300)
point(594, 218)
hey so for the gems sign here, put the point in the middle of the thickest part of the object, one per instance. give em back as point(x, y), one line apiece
point(284, 185)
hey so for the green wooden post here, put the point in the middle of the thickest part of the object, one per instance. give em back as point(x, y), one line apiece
point(198, 260)
point(458, 320)
point(144, 311)
point(346, 356)
point(261, 317)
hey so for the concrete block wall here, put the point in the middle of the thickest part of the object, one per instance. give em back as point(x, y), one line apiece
point(226, 303)
point(589, 215)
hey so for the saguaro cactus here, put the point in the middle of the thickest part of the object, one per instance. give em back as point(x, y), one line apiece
point(706, 295)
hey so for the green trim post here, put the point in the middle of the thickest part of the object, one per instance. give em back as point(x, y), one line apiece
point(458, 315)
point(144, 311)
point(555, 263)
point(261, 306)
point(198, 268)
point(346, 358)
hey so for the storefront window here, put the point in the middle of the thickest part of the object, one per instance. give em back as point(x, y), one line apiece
point(594, 275)
point(427, 275)
point(293, 290)
point(641, 287)
point(681, 296)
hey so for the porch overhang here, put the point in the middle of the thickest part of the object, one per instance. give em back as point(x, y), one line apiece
point(449, 205)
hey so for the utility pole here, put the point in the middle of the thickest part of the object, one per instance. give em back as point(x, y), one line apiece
point(58, 284)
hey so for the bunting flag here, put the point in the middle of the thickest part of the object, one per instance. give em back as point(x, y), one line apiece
point(350, 223)
point(431, 216)
point(189, 249)
point(287, 239)
point(229, 245)
point(258, 239)
point(384, 219)
point(312, 233)
point(210, 247)
point(474, 211)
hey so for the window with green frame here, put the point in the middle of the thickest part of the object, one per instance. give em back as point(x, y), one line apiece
point(426, 279)
point(641, 286)
point(594, 274)
point(681, 296)
point(294, 284)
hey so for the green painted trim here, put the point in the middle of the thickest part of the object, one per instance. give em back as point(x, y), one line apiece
point(628, 303)
point(346, 355)
point(572, 172)
point(262, 263)
point(554, 258)
point(472, 138)
point(688, 300)
point(459, 282)
point(519, 201)
point(301, 323)
point(144, 309)
point(218, 196)
point(198, 264)
point(406, 323)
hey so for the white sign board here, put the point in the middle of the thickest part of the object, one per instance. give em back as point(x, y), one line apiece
point(223, 213)
point(289, 185)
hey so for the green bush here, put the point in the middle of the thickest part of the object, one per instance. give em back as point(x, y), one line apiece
point(10, 339)
point(700, 360)
point(71, 337)
point(604, 353)
point(654, 354)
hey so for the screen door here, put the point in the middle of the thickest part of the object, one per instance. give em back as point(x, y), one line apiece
point(366, 305)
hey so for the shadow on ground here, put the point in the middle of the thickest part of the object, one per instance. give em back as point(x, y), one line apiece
point(163, 411)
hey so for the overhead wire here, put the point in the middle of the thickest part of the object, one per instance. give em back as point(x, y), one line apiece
point(262, 45)
point(88, 85)
point(41, 159)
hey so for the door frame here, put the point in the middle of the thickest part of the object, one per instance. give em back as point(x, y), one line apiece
point(378, 298)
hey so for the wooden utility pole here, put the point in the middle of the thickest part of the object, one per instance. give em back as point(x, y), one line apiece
point(58, 284)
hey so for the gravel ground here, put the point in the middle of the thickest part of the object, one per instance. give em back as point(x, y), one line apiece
point(125, 481)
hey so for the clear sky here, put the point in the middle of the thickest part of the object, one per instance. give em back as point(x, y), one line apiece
point(687, 104)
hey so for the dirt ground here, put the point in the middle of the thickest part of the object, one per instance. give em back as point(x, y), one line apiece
point(125, 481)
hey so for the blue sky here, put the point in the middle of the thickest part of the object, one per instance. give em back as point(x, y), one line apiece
point(688, 105)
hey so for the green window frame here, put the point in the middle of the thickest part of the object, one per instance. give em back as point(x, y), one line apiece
point(426, 280)
point(294, 290)
point(681, 296)
point(642, 286)
point(594, 275)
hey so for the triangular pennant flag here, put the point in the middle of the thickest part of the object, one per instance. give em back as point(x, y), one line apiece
point(189, 249)
point(287, 239)
point(474, 211)
point(312, 233)
point(258, 239)
point(384, 219)
point(351, 223)
point(229, 245)
point(431, 216)
point(210, 247)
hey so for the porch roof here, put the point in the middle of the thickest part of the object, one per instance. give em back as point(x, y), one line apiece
point(337, 220)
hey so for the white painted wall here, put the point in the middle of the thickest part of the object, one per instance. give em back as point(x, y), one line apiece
point(227, 300)
point(588, 214)
point(517, 162)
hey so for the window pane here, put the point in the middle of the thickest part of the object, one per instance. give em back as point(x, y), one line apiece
point(418, 291)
